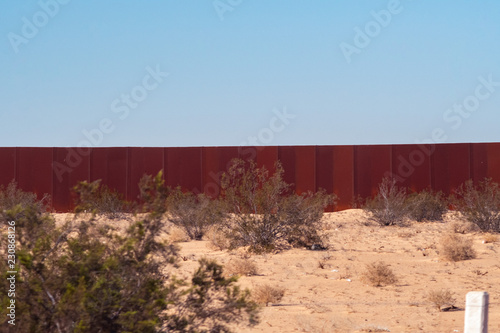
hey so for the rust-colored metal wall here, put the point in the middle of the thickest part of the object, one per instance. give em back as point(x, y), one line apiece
point(347, 171)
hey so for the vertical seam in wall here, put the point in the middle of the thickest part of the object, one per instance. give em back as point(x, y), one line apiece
point(471, 164)
point(315, 171)
point(391, 161)
point(15, 164)
point(52, 179)
point(354, 172)
point(202, 189)
point(431, 176)
point(126, 172)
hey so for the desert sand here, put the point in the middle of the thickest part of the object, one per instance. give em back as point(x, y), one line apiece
point(335, 299)
point(325, 292)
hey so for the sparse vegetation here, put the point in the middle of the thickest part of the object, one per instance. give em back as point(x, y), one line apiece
point(240, 266)
point(389, 206)
point(426, 206)
point(81, 277)
point(217, 238)
point(99, 199)
point(12, 197)
point(463, 227)
point(441, 298)
point(490, 238)
point(479, 203)
point(194, 213)
point(265, 294)
point(265, 216)
point(378, 274)
point(455, 247)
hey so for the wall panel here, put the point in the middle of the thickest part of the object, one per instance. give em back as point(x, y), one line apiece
point(450, 166)
point(267, 157)
point(411, 166)
point(110, 165)
point(343, 175)
point(216, 161)
point(7, 165)
point(305, 169)
point(493, 165)
point(183, 168)
point(34, 170)
point(142, 161)
point(479, 161)
point(371, 165)
point(69, 167)
point(286, 155)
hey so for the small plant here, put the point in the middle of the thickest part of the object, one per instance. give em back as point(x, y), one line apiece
point(193, 213)
point(479, 203)
point(426, 206)
point(379, 274)
point(265, 294)
point(266, 216)
point(99, 199)
point(389, 205)
point(217, 238)
point(441, 298)
point(153, 194)
point(490, 238)
point(455, 247)
point(12, 196)
point(240, 267)
point(211, 303)
point(463, 227)
point(345, 273)
point(177, 235)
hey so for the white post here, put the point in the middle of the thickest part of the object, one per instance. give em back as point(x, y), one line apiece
point(476, 312)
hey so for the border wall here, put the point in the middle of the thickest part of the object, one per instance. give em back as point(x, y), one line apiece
point(348, 171)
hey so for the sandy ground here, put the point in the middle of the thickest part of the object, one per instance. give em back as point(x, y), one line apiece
point(335, 298)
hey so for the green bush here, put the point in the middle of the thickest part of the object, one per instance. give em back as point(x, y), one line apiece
point(153, 193)
point(264, 214)
point(99, 199)
point(194, 213)
point(427, 206)
point(479, 203)
point(12, 196)
point(389, 206)
point(80, 277)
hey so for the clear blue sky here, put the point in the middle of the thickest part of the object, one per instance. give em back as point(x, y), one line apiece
point(347, 74)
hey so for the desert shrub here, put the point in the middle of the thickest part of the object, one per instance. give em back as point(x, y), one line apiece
point(240, 266)
point(99, 199)
point(265, 294)
point(194, 213)
point(177, 234)
point(12, 196)
point(153, 194)
point(378, 274)
point(479, 203)
point(426, 206)
point(441, 298)
point(83, 278)
point(389, 206)
point(490, 238)
point(265, 214)
point(217, 238)
point(462, 227)
point(210, 303)
point(455, 247)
